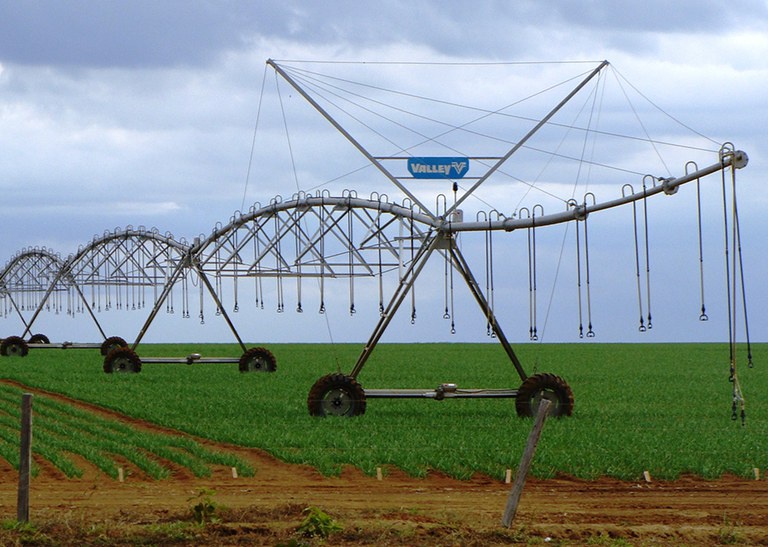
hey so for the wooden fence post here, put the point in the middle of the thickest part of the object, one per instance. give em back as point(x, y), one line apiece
point(25, 458)
point(525, 464)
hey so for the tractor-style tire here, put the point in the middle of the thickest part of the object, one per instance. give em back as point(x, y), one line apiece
point(544, 386)
point(14, 346)
point(258, 360)
point(38, 339)
point(122, 359)
point(336, 395)
point(113, 342)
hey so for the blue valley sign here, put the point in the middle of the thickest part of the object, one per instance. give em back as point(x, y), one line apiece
point(438, 168)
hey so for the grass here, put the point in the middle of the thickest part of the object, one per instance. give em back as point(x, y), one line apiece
point(661, 408)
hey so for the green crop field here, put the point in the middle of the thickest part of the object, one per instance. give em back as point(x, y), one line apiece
point(661, 408)
point(61, 429)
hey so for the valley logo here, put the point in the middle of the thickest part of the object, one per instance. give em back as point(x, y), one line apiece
point(438, 168)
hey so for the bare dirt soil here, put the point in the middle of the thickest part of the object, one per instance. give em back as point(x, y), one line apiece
point(268, 509)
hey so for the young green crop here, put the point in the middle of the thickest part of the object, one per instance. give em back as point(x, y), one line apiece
point(61, 429)
point(661, 408)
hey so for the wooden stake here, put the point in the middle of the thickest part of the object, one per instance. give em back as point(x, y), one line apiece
point(647, 476)
point(508, 477)
point(25, 458)
point(525, 464)
point(234, 472)
point(120, 474)
point(379, 475)
point(757, 473)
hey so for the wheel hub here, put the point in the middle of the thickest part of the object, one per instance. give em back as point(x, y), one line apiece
point(337, 402)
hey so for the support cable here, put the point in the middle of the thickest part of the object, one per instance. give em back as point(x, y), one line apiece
point(281, 305)
point(253, 141)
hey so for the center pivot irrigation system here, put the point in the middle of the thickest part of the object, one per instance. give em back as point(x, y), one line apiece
point(321, 237)
point(342, 394)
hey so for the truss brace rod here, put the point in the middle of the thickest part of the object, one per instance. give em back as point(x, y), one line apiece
point(64, 268)
point(18, 312)
point(463, 267)
point(527, 136)
point(160, 301)
point(28, 325)
point(405, 285)
point(219, 305)
point(345, 133)
point(88, 307)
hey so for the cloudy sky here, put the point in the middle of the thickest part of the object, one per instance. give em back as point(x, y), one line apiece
point(142, 113)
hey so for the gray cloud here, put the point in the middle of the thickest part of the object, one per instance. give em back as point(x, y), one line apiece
point(142, 112)
point(84, 33)
point(146, 33)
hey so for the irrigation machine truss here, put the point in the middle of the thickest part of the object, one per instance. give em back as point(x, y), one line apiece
point(318, 236)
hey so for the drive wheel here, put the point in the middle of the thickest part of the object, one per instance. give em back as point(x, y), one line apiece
point(544, 386)
point(258, 360)
point(111, 343)
point(38, 339)
point(336, 395)
point(122, 359)
point(14, 346)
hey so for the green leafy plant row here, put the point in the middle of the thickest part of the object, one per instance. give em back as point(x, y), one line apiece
point(60, 430)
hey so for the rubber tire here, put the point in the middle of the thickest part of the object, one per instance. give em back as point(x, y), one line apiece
point(14, 346)
point(122, 359)
point(258, 360)
point(38, 339)
point(548, 386)
point(336, 395)
point(111, 343)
